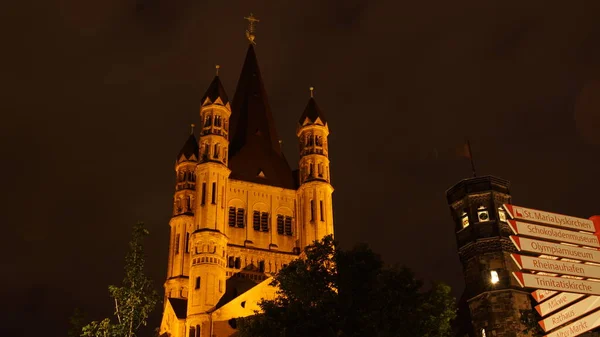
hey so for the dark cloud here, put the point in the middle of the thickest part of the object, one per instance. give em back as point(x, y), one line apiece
point(97, 99)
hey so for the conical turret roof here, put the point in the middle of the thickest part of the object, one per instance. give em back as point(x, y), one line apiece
point(190, 150)
point(312, 112)
point(215, 91)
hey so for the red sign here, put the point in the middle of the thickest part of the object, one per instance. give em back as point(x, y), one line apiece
point(556, 303)
point(542, 295)
point(553, 219)
point(572, 312)
point(556, 249)
point(556, 266)
point(578, 327)
point(557, 283)
point(554, 234)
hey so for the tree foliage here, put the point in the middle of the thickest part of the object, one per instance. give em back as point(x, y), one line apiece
point(133, 300)
point(332, 292)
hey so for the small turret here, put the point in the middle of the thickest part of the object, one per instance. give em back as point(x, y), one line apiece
point(315, 189)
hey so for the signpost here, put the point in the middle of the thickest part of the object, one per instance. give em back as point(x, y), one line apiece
point(548, 237)
point(556, 266)
point(556, 303)
point(564, 221)
point(572, 312)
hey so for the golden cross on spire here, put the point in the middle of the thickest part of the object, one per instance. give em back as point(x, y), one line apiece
point(192, 131)
point(312, 92)
point(252, 20)
point(217, 67)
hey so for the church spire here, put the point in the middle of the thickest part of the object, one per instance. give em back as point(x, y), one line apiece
point(255, 150)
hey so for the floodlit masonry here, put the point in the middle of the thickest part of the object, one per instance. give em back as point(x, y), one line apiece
point(239, 212)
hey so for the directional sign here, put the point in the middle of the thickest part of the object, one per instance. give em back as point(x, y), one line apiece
point(556, 249)
point(578, 327)
point(557, 267)
point(564, 221)
point(542, 295)
point(557, 283)
point(555, 234)
point(556, 303)
point(572, 312)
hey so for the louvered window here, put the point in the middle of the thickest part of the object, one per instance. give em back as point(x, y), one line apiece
point(256, 220)
point(239, 221)
point(232, 216)
point(288, 225)
point(264, 222)
point(279, 224)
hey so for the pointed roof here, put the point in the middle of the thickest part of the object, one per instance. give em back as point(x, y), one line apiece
point(214, 91)
point(254, 143)
point(190, 149)
point(312, 112)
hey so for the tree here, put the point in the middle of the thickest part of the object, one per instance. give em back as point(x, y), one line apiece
point(332, 292)
point(133, 300)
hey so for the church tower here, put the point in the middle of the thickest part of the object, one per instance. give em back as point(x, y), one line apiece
point(240, 213)
point(181, 223)
point(492, 300)
point(314, 194)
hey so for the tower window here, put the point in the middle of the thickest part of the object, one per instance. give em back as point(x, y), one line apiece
point(240, 218)
point(261, 266)
point(177, 238)
point(208, 121)
point(311, 170)
point(188, 204)
point(238, 263)
point(216, 152)
point(501, 214)
point(214, 193)
point(312, 210)
point(232, 216)
point(310, 140)
point(320, 170)
point(256, 220)
point(218, 121)
point(279, 224)
point(203, 193)
point(187, 242)
point(264, 222)
point(197, 282)
point(483, 333)
point(192, 331)
point(198, 330)
point(288, 225)
point(482, 214)
point(318, 140)
point(494, 278)
point(231, 262)
point(322, 211)
point(465, 220)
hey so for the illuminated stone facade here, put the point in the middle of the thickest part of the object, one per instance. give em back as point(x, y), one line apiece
point(492, 300)
point(240, 213)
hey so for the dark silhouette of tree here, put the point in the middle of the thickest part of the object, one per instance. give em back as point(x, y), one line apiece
point(332, 292)
point(134, 299)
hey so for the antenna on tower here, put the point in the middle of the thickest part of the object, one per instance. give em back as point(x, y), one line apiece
point(312, 92)
point(192, 127)
point(217, 67)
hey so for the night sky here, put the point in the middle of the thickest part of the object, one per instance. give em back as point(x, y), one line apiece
point(98, 96)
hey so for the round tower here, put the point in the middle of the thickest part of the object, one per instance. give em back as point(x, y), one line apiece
point(182, 221)
point(314, 193)
point(209, 243)
point(493, 297)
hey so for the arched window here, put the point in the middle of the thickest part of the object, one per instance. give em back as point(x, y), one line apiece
point(198, 331)
point(218, 121)
point(208, 120)
point(238, 263)
point(216, 151)
point(192, 331)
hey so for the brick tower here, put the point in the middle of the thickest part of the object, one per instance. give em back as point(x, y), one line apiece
point(492, 300)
